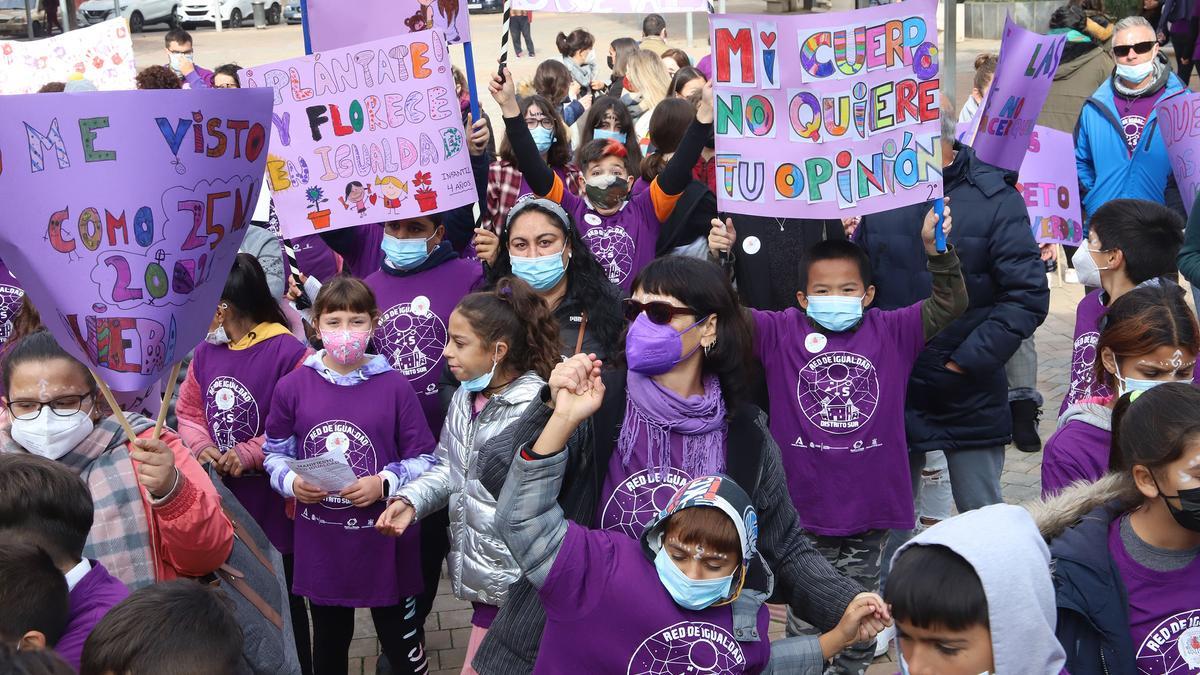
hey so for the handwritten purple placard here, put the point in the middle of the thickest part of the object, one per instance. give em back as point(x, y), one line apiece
point(827, 115)
point(134, 205)
point(1018, 92)
point(1050, 186)
point(1179, 124)
point(333, 24)
point(365, 134)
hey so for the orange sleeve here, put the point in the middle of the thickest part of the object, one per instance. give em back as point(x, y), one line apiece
point(664, 204)
point(556, 193)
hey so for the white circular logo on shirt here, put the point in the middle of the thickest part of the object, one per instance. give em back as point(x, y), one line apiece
point(815, 342)
point(1083, 367)
point(1172, 647)
point(751, 245)
point(411, 337)
point(232, 412)
point(11, 299)
point(688, 647)
point(637, 499)
point(838, 391)
point(346, 439)
point(591, 219)
point(614, 250)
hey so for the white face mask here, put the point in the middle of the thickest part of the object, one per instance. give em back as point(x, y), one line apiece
point(51, 436)
point(217, 337)
point(1085, 266)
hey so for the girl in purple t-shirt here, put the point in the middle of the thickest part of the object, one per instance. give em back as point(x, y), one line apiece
point(1126, 549)
point(503, 344)
point(1151, 337)
point(348, 408)
point(223, 404)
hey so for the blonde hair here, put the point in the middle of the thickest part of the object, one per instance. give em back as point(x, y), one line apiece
point(393, 181)
point(646, 72)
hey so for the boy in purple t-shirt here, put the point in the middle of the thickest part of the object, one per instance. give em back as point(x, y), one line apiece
point(1131, 242)
point(43, 502)
point(690, 591)
point(837, 373)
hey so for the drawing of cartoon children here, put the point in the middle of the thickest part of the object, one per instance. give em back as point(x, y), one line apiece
point(394, 191)
point(449, 10)
point(357, 196)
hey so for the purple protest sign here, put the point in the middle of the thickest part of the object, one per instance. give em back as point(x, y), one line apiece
point(612, 6)
point(1179, 125)
point(1050, 187)
point(333, 24)
point(827, 115)
point(365, 134)
point(1018, 92)
point(134, 205)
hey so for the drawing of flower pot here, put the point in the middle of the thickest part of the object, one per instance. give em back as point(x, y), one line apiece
point(319, 219)
point(426, 196)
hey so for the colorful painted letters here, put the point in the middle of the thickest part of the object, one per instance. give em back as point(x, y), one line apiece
point(852, 95)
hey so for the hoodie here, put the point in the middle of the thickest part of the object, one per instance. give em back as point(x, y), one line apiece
point(1079, 449)
point(1012, 562)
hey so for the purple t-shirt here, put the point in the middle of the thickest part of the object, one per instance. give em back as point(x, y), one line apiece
point(634, 493)
point(11, 296)
point(412, 328)
point(1077, 451)
point(1083, 351)
point(624, 242)
point(1164, 611)
point(595, 581)
point(314, 257)
point(237, 386)
point(340, 559)
point(837, 412)
point(1134, 113)
point(95, 594)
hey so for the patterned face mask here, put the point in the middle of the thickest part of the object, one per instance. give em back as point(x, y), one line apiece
point(346, 346)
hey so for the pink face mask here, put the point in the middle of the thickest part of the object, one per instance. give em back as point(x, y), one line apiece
point(346, 346)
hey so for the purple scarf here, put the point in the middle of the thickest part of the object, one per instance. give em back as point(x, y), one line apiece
point(660, 412)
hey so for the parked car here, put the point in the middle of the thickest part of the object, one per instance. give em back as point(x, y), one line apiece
point(138, 13)
point(291, 13)
point(233, 13)
point(485, 6)
point(14, 23)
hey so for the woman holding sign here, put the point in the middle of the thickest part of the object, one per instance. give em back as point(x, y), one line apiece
point(163, 519)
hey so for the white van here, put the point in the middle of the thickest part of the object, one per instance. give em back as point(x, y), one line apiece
point(232, 13)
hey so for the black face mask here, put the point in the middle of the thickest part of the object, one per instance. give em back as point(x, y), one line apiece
point(1187, 514)
point(610, 63)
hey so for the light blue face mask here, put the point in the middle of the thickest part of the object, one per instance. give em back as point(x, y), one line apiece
point(687, 592)
point(543, 138)
point(605, 134)
point(478, 384)
point(835, 312)
point(1128, 385)
point(542, 272)
point(405, 254)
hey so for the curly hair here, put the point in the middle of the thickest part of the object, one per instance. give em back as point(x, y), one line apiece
point(158, 77)
point(512, 312)
point(588, 286)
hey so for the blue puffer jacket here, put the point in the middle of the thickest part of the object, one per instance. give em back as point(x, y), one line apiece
point(1009, 299)
point(1107, 170)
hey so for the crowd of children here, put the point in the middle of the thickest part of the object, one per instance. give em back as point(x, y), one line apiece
point(615, 426)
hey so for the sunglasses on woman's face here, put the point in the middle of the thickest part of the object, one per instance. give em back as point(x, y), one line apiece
point(660, 313)
point(1141, 48)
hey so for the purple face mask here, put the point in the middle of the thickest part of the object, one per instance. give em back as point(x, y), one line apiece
point(653, 349)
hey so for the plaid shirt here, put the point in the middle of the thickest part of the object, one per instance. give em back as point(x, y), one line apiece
point(505, 184)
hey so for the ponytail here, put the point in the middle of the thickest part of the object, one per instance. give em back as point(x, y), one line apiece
point(578, 40)
point(512, 312)
point(247, 293)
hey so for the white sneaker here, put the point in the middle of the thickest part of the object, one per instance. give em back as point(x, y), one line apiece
point(884, 640)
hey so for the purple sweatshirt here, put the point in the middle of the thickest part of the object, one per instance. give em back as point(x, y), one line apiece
point(372, 417)
point(91, 598)
point(200, 78)
point(1079, 449)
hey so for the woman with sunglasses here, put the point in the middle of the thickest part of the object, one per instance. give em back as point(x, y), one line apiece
point(674, 409)
point(1119, 149)
point(158, 516)
point(505, 181)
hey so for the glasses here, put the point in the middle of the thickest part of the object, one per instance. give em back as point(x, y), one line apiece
point(660, 313)
point(187, 53)
point(63, 406)
point(543, 122)
point(1141, 48)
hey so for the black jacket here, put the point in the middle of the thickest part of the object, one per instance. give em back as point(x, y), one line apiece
point(817, 592)
point(1009, 299)
point(766, 257)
